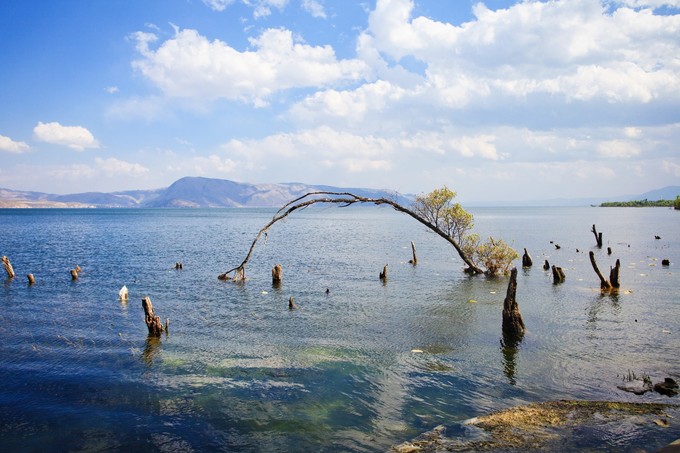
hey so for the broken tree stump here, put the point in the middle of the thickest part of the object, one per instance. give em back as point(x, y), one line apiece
point(153, 322)
point(614, 275)
point(598, 236)
point(74, 274)
point(513, 324)
point(277, 275)
point(383, 274)
point(291, 304)
point(31, 279)
point(606, 285)
point(526, 259)
point(558, 274)
point(8, 267)
point(413, 260)
point(546, 265)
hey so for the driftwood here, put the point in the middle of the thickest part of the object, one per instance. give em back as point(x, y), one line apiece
point(513, 325)
point(8, 267)
point(383, 274)
point(414, 260)
point(598, 236)
point(613, 282)
point(277, 275)
point(526, 259)
point(31, 279)
point(558, 274)
point(344, 199)
point(153, 322)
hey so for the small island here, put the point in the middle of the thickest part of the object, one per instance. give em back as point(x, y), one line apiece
point(643, 204)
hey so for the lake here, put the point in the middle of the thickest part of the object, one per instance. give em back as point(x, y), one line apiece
point(361, 367)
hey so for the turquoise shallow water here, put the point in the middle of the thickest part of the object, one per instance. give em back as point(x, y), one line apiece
point(240, 372)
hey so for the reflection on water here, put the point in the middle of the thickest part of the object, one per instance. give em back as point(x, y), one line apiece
point(364, 367)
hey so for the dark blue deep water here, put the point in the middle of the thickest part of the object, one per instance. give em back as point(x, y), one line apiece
point(362, 368)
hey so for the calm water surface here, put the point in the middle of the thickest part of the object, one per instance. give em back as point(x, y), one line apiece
point(240, 372)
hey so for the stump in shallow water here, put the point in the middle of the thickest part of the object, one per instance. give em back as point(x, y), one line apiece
point(613, 282)
point(31, 279)
point(546, 265)
point(8, 267)
point(413, 260)
point(383, 274)
point(598, 237)
point(558, 274)
point(526, 259)
point(513, 325)
point(277, 275)
point(153, 322)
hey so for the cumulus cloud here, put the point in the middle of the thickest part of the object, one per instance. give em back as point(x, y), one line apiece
point(115, 167)
point(314, 8)
point(532, 57)
point(11, 146)
point(75, 137)
point(191, 66)
point(218, 5)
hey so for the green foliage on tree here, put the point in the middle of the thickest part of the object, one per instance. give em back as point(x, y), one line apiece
point(439, 209)
point(676, 203)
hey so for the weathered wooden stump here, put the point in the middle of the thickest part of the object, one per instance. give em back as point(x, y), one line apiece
point(383, 274)
point(513, 324)
point(598, 237)
point(609, 250)
point(613, 282)
point(153, 322)
point(546, 265)
point(665, 262)
point(277, 275)
point(558, 274)
point(526, 259)
point(8, 267)
point(123, 294)
point(31, 279)
point(74, 274)
point(179, 266)
point(291, 303)
point(413, 260)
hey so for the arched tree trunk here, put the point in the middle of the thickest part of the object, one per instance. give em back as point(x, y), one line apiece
point(344, 199)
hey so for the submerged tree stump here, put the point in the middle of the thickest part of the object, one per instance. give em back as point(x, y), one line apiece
point(8, 267)
point(277, 275)
point(546, 265)
point(513, 325)
point(383, 274)
point(74, 274)
point(613, 282)
point(558, 274)
point(413, 260)
point(598, 236)
point(614, 275)
point(526, 259)
point(153, 322)
point(291, 303)
point(31, 279)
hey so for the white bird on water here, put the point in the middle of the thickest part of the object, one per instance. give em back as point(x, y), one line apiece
point(123, 293)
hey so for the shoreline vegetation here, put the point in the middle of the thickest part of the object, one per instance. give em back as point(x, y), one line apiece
point(643, 204)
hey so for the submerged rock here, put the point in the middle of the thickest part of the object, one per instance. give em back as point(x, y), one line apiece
point(668, 387)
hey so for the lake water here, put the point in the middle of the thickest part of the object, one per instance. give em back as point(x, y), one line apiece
point(240, 372)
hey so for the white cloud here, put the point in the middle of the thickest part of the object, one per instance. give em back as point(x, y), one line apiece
point(562, 51)
point(218, 5)
point(191, 66)
point(75, 137)
point(10, 146)
point(672, 168)
point(112, 167)
point(112, 89)
point(314, 8)
point(618, 149)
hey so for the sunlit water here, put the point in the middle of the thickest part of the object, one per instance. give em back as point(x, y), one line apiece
point(364, 367)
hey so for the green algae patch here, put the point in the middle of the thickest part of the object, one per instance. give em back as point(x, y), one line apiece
point(550, 425)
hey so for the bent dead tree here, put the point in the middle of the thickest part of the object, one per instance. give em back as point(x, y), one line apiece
point(344, 199)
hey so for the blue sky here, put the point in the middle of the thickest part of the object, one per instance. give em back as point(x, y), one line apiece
point(498, 100)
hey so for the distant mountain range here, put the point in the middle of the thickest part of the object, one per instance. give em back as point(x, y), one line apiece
point(189, 192)
point(197, 192)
